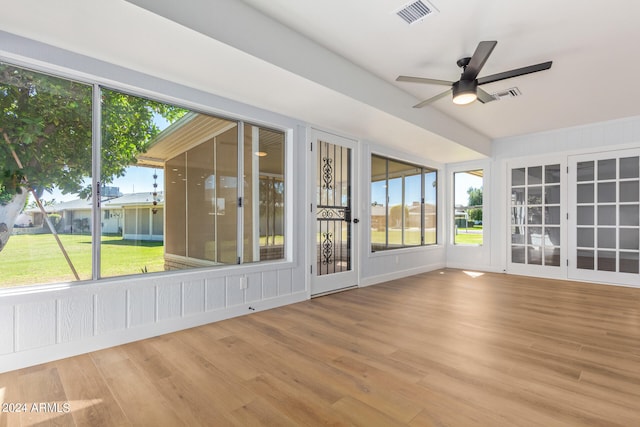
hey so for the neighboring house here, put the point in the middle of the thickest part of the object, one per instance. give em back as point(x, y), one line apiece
point(129, 215)
point(379, 212)
point(75, 216)
point(134, 216)
point(197, 154)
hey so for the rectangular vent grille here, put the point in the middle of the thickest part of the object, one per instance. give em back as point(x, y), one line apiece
point(415, 11)
point(508, 93)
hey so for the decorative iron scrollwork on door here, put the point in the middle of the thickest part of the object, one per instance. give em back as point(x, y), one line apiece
point(333, 208)
point(327, 248)
point(327, 173)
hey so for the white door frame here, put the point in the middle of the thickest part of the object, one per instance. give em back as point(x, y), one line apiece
point(327, 283)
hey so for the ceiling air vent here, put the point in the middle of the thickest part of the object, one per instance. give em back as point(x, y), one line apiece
point(415, 11)
point(508, 93)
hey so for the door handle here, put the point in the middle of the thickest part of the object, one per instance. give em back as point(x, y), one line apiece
point(356, 220)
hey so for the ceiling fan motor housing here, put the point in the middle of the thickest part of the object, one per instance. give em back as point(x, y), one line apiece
point(464, 91)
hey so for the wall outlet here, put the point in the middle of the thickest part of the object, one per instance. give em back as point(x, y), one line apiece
point(243, 283)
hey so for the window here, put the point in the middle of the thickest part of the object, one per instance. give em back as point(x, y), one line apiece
point(45, 156)
point(403, 204)
point(177, 189)
point(468, 220)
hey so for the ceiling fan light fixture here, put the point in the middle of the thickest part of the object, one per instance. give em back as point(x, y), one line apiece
point(465, 92)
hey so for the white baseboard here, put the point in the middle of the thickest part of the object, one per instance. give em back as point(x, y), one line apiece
point(368, 281)
point(466, 266)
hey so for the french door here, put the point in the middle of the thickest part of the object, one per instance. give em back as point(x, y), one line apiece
point(334, 224)
point(604, 217)
point(537, 218)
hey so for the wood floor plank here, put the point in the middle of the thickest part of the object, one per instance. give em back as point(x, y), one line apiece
point(140, 400)
point(89, 396)
point(9, 395)
point(435, 349)
point(44, 396)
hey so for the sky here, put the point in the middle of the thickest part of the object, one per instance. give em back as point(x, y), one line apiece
point(136, 180)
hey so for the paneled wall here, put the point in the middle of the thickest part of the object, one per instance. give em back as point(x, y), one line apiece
point(40, 326)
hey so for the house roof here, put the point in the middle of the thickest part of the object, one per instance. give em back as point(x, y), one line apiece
point(132, 199)
point(194, 129)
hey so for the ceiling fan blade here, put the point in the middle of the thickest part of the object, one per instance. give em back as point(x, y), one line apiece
point(423, 80)
point(484, 97)
point(432, 99)
point(515, 73)
point(478, 59)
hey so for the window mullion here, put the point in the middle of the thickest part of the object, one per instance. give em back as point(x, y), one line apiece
point(386, 226)
point(96, 149)
point(422, 206)
point(240, 194)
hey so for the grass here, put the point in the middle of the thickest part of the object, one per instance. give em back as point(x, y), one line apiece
point(469, 236)
point(30, 259)
point(411, 237)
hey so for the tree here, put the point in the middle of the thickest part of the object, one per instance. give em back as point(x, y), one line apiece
point(475, 199)
point(46, 136)
point(396, 213)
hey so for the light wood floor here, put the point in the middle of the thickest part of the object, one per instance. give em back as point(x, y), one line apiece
point(436, 349)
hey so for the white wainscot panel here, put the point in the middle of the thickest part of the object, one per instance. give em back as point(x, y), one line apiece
point(169, 301)
point(142, 305)
point(235, 294)
point(269, 284)
point(6, 329)
point(193, 297)
point(36, 324)
point(254, 287)
point(75, 317)
point(285, 282)
point(216, 293)
point(111, 310)
point(298, 281)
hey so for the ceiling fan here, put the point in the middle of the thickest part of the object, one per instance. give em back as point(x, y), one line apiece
point(466, 89)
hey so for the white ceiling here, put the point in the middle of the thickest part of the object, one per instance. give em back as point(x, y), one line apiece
point(333, 63)
point(591, 44)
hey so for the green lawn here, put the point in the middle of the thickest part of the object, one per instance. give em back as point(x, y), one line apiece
point(469, 236)
point(29, 259)
point(411, 237)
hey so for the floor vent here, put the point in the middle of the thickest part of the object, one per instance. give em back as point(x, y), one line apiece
point(508, 93)
point(415, 11)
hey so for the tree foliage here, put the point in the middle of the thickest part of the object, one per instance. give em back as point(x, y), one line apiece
point(396, 213)
point(47, 121)
point(475, 199)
